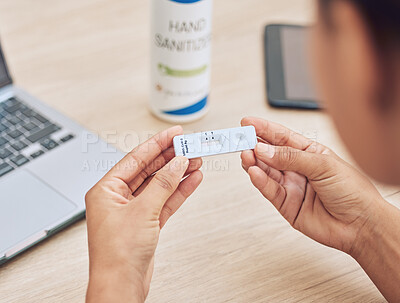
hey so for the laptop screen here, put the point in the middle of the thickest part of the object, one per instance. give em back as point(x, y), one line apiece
point(4, 75)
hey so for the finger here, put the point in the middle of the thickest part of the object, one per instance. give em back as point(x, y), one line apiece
point(136, 160)
point(295, 185)
point(155, 165)
point(184, 190)
point(270, 189)
point(164, 184)
point(194, 164)
point(313, 166)
point(249, 159)
point(261, 140)
point(277, 134)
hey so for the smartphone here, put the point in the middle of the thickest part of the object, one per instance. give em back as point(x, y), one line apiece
point(287, 67)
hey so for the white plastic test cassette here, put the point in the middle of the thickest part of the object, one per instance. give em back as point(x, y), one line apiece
point(215, 142)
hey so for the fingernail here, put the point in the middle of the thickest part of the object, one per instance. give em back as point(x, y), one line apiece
point(265, 150)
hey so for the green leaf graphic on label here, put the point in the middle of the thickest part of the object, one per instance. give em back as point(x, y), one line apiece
point(166, 70)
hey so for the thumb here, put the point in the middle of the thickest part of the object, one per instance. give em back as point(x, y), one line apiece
point(164, 184)
point(284, 158)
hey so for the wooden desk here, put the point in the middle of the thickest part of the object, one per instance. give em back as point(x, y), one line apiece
point(90, 60)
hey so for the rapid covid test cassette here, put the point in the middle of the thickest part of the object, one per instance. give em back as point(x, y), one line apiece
point(215, 142)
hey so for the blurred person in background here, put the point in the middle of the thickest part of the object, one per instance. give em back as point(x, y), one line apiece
point(356, 54)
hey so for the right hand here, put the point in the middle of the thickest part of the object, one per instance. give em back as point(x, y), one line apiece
point(318, 193)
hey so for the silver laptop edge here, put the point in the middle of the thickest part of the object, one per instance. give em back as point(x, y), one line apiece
point(68, 171)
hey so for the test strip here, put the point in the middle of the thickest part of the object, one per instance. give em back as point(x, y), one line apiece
point(215, 142)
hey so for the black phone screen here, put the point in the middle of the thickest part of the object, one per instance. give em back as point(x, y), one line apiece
point(289, 81)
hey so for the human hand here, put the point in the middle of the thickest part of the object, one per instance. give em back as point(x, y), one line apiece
point(125, 211)
point(318, 193)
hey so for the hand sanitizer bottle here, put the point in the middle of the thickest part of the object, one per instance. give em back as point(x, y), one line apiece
point(180, 58)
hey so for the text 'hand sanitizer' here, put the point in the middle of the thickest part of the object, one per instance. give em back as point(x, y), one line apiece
point(180, 58)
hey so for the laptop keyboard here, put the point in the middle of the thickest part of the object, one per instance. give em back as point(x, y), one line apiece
point(25, 135)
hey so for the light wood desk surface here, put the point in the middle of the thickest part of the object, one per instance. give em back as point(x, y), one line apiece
point(90, 60)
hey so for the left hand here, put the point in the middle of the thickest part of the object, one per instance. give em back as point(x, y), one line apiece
point(317, 192)
point(125, 212)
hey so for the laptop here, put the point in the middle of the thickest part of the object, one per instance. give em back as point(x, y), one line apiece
point(47, 164)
